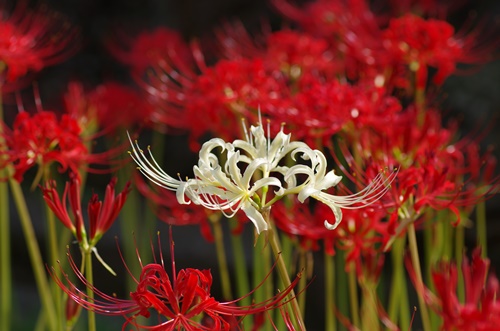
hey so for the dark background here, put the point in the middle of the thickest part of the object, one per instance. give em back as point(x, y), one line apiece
point(473, 99)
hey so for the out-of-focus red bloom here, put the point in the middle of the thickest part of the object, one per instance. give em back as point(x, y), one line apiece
point(164, 66)
point(77, 106)
point(352, 30)
point(180, 301)
point(321, 109)
point(435, 171)
point(229, 91)
point(481, 309)
point(361, 234)
point(299, 220)
point(150, 49)
point(101, 214)
point(117, 105)
point(31, 40)
point(41, 139)
point(421, 43)
point(297, 53)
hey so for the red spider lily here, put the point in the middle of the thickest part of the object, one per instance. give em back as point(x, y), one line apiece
point(42, 139)
point(351, 29)
point(421, 43)
point(149, 49)
point(77, 106)
point(481, 309)
point(434, 171)
point(168, 210)
point(164, 66)
point(321, 109)
point(230, 90)
point(361, 234)
point(101, 214)
point(117, 105)
point(306, 224)
point(181, 301)
point(31, 40)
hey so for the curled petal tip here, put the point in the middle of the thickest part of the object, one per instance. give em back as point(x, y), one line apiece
point(330, 226)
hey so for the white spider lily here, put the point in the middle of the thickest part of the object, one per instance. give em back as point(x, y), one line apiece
point(241, 183)
point(213, 188)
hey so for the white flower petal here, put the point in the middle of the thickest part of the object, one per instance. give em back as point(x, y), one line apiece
point(255, 216)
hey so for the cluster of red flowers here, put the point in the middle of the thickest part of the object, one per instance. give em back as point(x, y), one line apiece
point(346, 80)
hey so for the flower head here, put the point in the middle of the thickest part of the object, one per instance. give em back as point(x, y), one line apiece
point(181, 301)
point(101, 214)
point(32, 39)
point(243, 178)
point(41, 139)
point(481, 309)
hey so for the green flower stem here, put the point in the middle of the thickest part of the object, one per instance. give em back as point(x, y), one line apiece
point(398, 309)
point(89, 276)
point(482, 235)
point(221, 257)
point(330, 321)
point(353, 295)
point(35, 256)
point(433, 252)
point(303, 281)
point(128, 226)
point(261, 265)
point(369, 313)
point(54, 255)
point(341, 292)
point(287, 249)
point(282, 269)
point(5, 260)
point(412, 239)
point(5, 251)
point(446, 238)
point(241, 272)
point(459, 254)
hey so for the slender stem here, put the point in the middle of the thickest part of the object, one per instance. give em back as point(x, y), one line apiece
point(353, 295)
point(53, 244)
point(282, 269)
point(128, 225)
point(412, 239)
point(398, 310)
point(89, 276)
point(5, 251)
point(482, 235)
point(241, 273)
point(459, 254)
point(35, 255)
point(221, 257)
point(287, 249)
point(342, 293)
point(261, 263)
point(330, 321)
point(5, 260)
point(303, 281)
point(369, 315)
